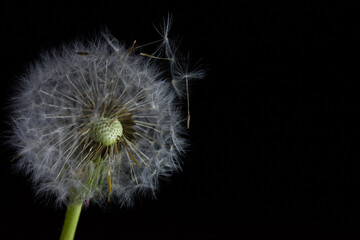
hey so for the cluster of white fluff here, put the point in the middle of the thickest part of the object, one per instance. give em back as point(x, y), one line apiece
point(69, 89)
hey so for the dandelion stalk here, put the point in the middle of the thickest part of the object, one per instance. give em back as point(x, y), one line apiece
point(71, 220)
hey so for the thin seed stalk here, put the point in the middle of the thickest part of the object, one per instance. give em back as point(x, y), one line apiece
point(71, 219)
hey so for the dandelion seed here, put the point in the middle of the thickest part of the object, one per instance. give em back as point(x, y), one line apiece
point(105, 123)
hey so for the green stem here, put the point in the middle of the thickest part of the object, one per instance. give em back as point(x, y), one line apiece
point(71, 220)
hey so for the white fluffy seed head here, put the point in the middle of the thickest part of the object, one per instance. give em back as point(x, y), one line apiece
point(96, 121)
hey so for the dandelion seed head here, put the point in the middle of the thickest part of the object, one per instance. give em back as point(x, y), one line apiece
point(95, 121)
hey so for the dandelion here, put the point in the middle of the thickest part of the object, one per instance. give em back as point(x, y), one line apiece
point(99, 122)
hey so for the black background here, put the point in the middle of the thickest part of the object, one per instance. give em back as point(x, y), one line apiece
point(274, 128)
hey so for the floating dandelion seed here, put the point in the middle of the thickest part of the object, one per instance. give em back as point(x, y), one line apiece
point(99, 122)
